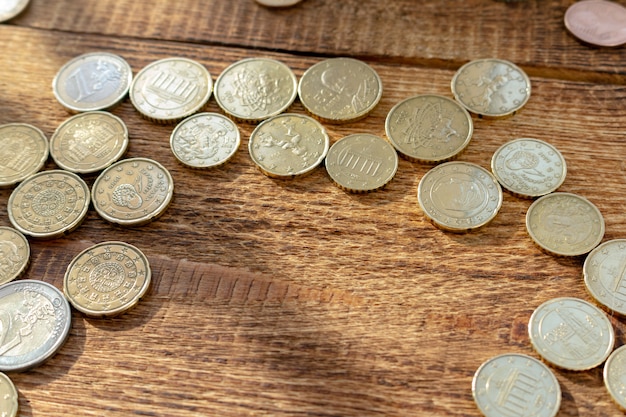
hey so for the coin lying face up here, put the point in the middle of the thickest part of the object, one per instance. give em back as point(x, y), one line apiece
point(614, 376)
point(9, 404)
point(604, 272)
point(14, 254)
point(597, 22)
point(25, 151)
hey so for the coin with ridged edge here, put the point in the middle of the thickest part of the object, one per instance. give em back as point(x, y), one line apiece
point(11, 8)
point(9, 404)
point(614, 375)
point(14, 254)
point(25, 151)
point(604, 273)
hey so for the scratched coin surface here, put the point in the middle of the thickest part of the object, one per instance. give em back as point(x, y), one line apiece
point(92, 81)
point(361, 162)
point(429, 128)
point(170, 89)
point(491, 87)
point(459, 196)
point(49, 204)
point(107, 279)
point(35, 319)
point(25, 150)
point(254, 89)
point(571, 333)
point(565, 224)
point(133, 192)
point(597, 22)
point(288, 145)
point(9, 404)
point(614, 376)
point(14, 254)
point(529, 167)
point(340, 90)
point(516, 385)
point(604, 272)
point(11, 8)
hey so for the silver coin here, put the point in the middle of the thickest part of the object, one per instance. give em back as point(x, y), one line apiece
point(11, 8)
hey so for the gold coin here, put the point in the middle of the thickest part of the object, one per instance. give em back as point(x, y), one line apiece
point(49, 204)
point(529, 167)
point(340, 90)
point(288, 145)
point(25, 151)
point(8, 397)
point(107, 279)
point(491, 87)
point(429, 128)
point(170, 89)
point(132, 192)
point(89, 142)
point(11, 8)
point(604, 273)
point(565, 224)
point(571, 333)
point(255, 89)
point(517, 385)
point(14, 254)
point(361, 163)
point(459, 196)
point(615, 376)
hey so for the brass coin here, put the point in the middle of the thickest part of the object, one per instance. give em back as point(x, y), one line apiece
point(14, 254)
point(517, 385)
point(107, 279)
point(604, 272)
point(340, 90)
point(9, 404)
point(597, 22)
point(429, 128)
point(288, 145)
point(49, 204)
point(25, 151)
point(89, 142)
point(565, 224)
point(571, 333)
point(459, 196)
point(491, 87)
point(615, 376)
point(132, 192)
point(255, 89)
point(11, 8)
point(361, 163)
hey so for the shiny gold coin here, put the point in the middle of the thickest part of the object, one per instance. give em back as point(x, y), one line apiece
point(25, 151)
point(604, 272)
point(459, 196)
point(49, 204)
point(340, 90)
point(288, 145)
point(14, 254)
point(361, 163)
point(429, 128)
point(615, 376)
point(255, 89)
point(565, 224)
point(11, 8)
point(89, 142)
point(107, 279)
point(491, 87)
point(132, 192)
point(9, 404)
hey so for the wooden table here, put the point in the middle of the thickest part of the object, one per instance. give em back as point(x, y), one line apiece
point(287, 298)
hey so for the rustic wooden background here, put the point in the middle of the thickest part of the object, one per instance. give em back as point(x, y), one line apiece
point(289, 298)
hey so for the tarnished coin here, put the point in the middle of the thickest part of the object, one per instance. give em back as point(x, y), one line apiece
point(205, 140)
point(429, 128)
point(93, 81)
point(597, 22)
point(9, 404)
point(14, 254)
point(340, 90)
point(89, 142)
point(459, 196)
point(516, 385)
point(170, 89)
point(529, 167)
point(571, 333)
point(604, 272)
point(565, 224)
point(11, 8)
point(25, 150)
point(35, 319)
point(615, 376)
point(288, 145)
point(361, 162)
point(107, 279)
point(255, 89)
point(49, 204)
point(133, 192)
point(278, 3)
point(491, 87)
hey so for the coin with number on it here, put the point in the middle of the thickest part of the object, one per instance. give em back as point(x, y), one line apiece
point(49, 204)
point(571, 333)
point(517, 385)
point(565, 224)
point(255, 89)
point(491, 87)
point(132, 192)
point(14, 254)
point(604, 273)
point(597, 22)
point(9, 403)
point(11, 8)
point(92, 81)
point(614, 376)
point(429, 128)
point(340, 90)
point(288, 145)
point(171, 89)
point(107, 279)
point(25, 151)
point(35, 319)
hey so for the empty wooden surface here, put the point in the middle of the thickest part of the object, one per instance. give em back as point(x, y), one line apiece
point(289, 298)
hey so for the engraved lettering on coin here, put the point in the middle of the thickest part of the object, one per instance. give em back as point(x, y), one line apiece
point(106, 277)
point(11, 8)
point(615, 376)
point(14, 254)
point(25, 151)
point(597, 22)
point(604, 272)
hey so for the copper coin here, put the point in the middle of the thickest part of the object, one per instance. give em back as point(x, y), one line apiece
point(597, 22)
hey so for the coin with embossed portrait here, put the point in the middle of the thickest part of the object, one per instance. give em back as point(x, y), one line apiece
point(25, 151)
point(11, 8)
point(14, 254)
